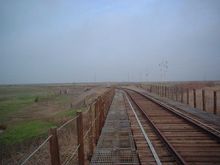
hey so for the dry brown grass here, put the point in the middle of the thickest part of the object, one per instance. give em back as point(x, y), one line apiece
point(17, 153)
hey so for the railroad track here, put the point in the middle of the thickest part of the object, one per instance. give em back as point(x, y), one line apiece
point(175, 138)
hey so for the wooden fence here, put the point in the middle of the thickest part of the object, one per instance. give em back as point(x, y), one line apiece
point(75, 140)
point(206, 100)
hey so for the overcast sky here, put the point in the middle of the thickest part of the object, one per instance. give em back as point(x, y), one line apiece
point(46, 41)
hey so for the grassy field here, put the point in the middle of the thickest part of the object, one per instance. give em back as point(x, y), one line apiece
point(29, 111)
point(24, 131)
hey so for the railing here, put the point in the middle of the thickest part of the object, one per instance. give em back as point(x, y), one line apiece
point(206, 100)
point(75, 140)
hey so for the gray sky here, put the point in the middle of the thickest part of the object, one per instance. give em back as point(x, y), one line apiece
point(47, 41)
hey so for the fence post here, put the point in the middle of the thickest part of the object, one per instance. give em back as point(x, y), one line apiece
point(96, 121)
point(90, 133)
point(160, 87)
point(163, 90)
point(168, 92)
point(157, 89)
point(203, 100)
point(101, 115)
point(104, 111)
point(94, 135)
point(159, 92)
point(194, 97)
point(215, 102)
point(181, 95)
point(171, 92)
point(176, 91)
point(80, 138)
point(187, 96)
point(98, 117)
point(54, 147)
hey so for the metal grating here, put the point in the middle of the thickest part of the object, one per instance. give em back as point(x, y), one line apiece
point(116, 144)
point(115, 156)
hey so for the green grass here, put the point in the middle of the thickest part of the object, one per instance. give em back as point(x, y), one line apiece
point(24, 131)
point(11, 105)
point(67, 113)
point(62, 99)
point(14, 100)
point(19, 91)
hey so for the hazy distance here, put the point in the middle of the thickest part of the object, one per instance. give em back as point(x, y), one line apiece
point(56, 41)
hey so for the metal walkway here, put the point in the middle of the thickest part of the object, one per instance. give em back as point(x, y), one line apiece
point(116, 144)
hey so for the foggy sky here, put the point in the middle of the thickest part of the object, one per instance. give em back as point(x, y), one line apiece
point(48, 41)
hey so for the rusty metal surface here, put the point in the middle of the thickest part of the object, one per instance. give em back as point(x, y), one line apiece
point(194, 145)
point(116, 144)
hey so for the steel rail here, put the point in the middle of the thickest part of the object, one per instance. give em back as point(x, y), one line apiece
point(156, 157)
point(204, 127)
point(169, 146)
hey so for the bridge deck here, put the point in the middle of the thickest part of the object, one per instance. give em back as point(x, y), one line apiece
point(116, 144)
point(123, 141)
